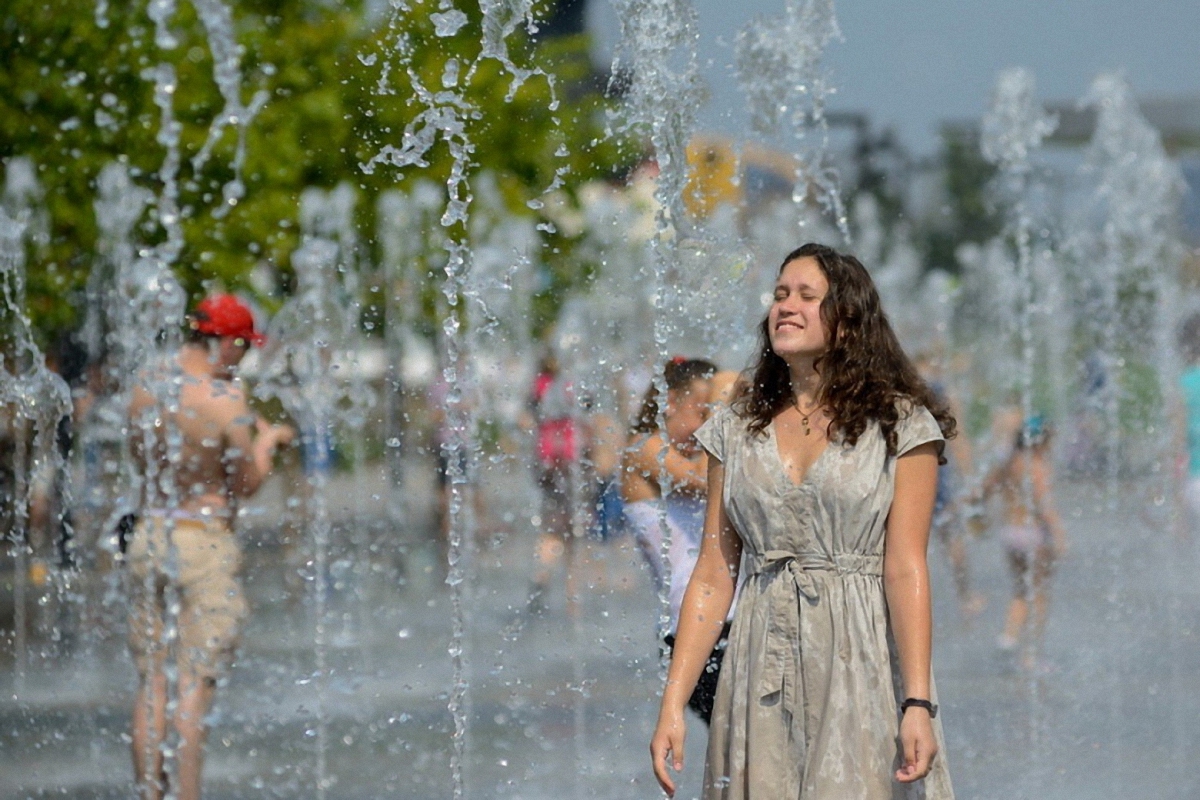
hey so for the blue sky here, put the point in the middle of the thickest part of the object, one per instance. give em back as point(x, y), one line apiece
point(912, 65)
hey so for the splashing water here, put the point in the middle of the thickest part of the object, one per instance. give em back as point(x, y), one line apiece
point(406, 222)
point(1135, 201)
point(1134, 258)
point(1013, 130)
point(444, 116)
point(779, 71)
point(33, 402)
point(298, 366)
point(227, 55)
point(657, 57)
point(501, 19)
point(119, 205)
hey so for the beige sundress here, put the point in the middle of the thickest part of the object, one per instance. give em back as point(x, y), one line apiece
point(807, 707)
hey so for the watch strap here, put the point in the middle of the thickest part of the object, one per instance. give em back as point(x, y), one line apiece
point(919, 703)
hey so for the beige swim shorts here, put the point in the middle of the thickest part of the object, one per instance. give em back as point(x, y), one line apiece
point(202, 567)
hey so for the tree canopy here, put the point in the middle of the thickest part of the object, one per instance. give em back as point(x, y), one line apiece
point(75, 96)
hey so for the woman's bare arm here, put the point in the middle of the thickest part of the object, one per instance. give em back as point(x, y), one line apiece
point(705, 607)
point(683, 473)
point(906, 584)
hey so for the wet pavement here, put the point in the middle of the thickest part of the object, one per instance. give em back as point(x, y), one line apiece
point(562, 704)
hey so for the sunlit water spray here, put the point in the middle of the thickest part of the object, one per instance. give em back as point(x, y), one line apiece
point(1129, 241)
point(406, 221)
point(496, 277)
point(308, 342)
point(445, 116)
point(1013, 130)
point(657, 60)
point(33, 401)
point(781, 75)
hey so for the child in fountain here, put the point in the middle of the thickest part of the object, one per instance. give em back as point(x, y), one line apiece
point(656, 458)
point(197, 464)
point(1032, 533)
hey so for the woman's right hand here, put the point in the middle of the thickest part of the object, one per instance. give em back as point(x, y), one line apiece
point(667, 742)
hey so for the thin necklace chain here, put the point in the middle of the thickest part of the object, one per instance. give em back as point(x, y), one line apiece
point(804, 417)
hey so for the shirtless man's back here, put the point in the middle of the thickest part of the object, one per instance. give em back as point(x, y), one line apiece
point(217, 430)
point(197, 463)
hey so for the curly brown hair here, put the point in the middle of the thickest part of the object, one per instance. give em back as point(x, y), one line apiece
point(865, 374)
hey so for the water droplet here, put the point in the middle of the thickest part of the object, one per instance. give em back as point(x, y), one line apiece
point(450, 74)
point(448, 23)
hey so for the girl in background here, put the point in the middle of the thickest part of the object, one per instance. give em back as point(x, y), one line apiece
point(655, 460)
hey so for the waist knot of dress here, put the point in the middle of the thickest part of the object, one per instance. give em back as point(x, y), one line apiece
point(791, 588)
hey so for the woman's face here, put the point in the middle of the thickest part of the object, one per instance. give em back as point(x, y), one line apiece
point(794, 322)
point(687, 410)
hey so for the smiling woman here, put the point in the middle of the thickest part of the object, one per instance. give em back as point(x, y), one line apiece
point(794, 322)
point(821, 486)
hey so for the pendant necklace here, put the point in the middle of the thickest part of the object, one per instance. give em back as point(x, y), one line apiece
point(804, 417)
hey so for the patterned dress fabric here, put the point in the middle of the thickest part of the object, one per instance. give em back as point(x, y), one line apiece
point(807, 707)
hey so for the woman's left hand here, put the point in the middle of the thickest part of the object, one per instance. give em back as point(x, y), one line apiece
point(918, 745)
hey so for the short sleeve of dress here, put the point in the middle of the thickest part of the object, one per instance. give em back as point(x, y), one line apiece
point(916, 428)
point(714, 434)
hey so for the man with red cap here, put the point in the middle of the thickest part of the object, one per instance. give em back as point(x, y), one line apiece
point(183, 541)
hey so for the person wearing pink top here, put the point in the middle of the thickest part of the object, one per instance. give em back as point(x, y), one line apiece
point(553, 408)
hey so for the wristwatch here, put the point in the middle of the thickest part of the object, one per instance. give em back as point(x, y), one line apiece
point(919, 703)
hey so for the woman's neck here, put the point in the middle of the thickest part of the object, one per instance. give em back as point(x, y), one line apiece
point(806, 381)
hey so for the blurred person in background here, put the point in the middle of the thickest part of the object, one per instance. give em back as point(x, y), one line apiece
point(663, 482)
point(1032, 534)
point(602, 463)
point(724, 385)
point(554, 415)
point(949, 517)
point(1187, 422)
point(182, 545)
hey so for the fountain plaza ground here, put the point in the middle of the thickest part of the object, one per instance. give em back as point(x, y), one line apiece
point(563, 706)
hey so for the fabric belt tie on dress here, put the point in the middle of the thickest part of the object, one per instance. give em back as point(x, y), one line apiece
point(781, 672)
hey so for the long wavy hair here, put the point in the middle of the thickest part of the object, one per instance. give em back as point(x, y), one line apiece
point(865, 374)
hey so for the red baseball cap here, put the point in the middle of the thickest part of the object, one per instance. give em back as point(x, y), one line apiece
point(226, 315)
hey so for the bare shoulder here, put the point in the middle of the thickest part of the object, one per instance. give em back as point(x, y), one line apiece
point(648, 446)
point(222, 402)
point(642, 452)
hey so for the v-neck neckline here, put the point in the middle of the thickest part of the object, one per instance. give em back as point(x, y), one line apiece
point(782, 467)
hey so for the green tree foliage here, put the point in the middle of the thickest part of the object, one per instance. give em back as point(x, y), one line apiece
point(968, 216)
point(74, 97)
